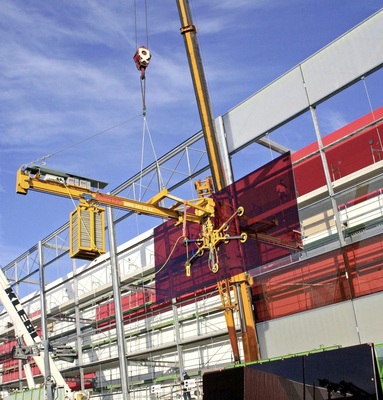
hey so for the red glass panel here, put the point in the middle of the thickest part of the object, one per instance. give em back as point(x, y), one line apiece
point(365, 264)
point(271, 215)
point(300, 286)
point(323, 280)
point(349, 155)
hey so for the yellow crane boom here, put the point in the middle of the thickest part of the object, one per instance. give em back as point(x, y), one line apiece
point(238, 286)
point(87, 190)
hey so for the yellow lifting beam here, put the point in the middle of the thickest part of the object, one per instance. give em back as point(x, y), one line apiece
point(57, 183)
point(87, 222)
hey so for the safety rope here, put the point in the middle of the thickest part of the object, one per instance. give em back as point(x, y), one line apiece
point(146, 23)
point(43, 158)
point(169, 256)
point(142, 58)
point(145, 129)
point(135, 23)
point(372, 110)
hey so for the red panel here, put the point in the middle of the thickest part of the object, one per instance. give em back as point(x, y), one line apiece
point(344, 158)
point(35, 370)
point(365, 265)
point(301, 286)
point(340, 133)
point(75, 384)
point(323, 280)
point(7, 346)
point(257, 193)
point(354, 153)
point(309, 175)
point(105, 313)
point(10, 370)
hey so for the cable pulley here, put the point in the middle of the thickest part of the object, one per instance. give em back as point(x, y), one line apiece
point(142, 59)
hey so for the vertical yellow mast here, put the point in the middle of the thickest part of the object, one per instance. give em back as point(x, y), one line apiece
point(240, 284)
point(189, 31)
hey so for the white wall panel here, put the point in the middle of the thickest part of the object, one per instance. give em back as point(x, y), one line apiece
point(368, 311)
point(273, 105)
point(322, 327)
point(353, 55)
point(343, 61)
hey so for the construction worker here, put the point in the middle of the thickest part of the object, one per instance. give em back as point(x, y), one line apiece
point(185, 389)
point(281, 190)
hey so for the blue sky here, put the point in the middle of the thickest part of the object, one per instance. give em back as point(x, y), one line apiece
point(67, 74)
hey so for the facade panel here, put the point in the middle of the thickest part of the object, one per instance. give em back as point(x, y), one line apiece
point(355, 54)
point(324, 327)
point(256, 116)
point(347, 59)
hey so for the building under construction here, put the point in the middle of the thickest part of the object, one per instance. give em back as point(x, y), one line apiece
point(288, 278)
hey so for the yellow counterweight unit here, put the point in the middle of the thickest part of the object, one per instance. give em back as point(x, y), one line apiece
point(87, 232)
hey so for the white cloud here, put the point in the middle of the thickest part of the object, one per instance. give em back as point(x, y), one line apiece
point(333, 120)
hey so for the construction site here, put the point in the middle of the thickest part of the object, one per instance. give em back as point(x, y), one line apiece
point(264, 287)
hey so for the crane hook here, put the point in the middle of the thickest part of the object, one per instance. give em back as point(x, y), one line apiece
point(142, 59)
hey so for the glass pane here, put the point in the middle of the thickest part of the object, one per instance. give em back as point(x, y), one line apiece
point(301, 286)
point(270, 221)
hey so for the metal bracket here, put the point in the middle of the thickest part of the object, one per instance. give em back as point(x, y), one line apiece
point(210, 240)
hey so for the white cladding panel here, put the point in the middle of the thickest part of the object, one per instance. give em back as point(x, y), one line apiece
point(368, 311)
point(350, 57)
point(273, 105)
point(322, 327)
point(345, 324)
point(341, 63)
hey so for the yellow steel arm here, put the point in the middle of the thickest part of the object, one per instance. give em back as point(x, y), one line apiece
point(241, 302)
point(242, 284)
point(56, 183)
point(228, 305)
point(188, 30)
